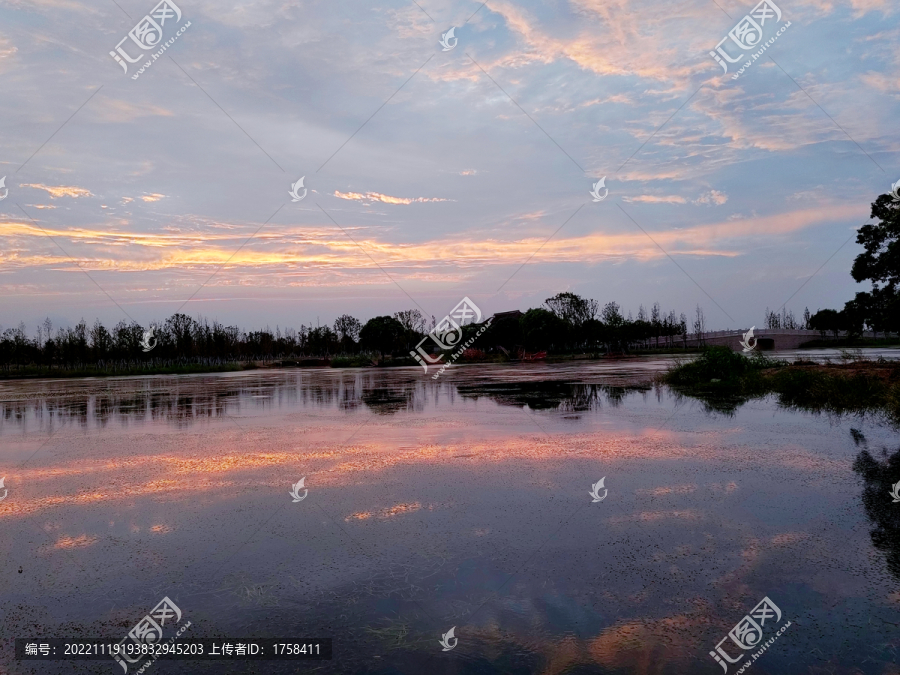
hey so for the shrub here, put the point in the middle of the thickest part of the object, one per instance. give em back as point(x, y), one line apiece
point(718, 363)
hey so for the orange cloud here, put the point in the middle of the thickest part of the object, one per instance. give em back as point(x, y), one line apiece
point(60, 191)
point(325, 248)
point(387, 199)
point(653, 199)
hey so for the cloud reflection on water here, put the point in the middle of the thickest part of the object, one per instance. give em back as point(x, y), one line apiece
point(449, 499)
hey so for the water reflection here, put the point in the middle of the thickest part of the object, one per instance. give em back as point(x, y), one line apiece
point(385, 400)
point(563, 396)
point(720, 403)
point(573, 387)
point(464, 515)
point(184, 401)
point(880, 474)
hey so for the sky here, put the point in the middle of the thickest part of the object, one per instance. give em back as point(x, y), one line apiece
point(433, 171)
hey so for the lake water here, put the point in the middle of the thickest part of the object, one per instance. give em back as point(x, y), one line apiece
point(462, 502)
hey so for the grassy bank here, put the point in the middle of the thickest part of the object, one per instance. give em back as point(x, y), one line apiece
point(724, 379)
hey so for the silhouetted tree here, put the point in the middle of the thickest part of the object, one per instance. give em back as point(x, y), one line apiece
point(856, 314)
point(101, 341)
point(611, 315)
point(826, 320)
point(572, 308)
point(413, 323)
point(879, 264)
point(347, 329)
point(699, 324)
point(542, 329)
point(506, 332)
point(381, 334)
point(180, 327)
point(321, 340)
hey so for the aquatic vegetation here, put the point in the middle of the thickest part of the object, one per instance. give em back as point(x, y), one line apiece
point(723, 380)
point(719, 366)
point(860, 387)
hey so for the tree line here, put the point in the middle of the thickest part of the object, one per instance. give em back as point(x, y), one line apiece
point(566, 322)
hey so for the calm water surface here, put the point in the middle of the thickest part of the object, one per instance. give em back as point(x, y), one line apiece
point(462, 502)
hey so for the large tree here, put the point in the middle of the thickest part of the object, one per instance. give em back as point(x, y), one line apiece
point(413, 323)
point(572, 308)
point(543, 330)
point(347, 329)
point(382, 334)
point(611, 315)
point(505, 332)
point(880, 265)
point(826, 320)
point(181, 328)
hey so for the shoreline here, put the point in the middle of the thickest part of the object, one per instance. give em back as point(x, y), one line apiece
point(338, 362)
point(724, 380)
point(349, 362)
